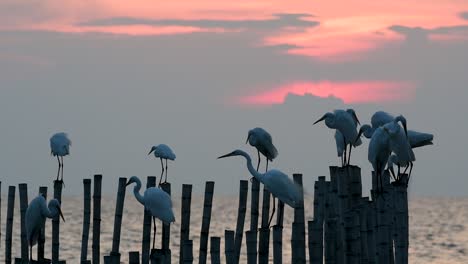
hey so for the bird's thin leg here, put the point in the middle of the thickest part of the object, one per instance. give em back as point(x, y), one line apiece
point(410, 170)
point(154, 231)
point(58, 170)
point(342, 160)
point(272, 212)
point(344, 155)
point(406, 168)
point(266, 165)
point(349, 157)
point(162, 171)
point(61, 158)
point(166, 172)
point(258, 164)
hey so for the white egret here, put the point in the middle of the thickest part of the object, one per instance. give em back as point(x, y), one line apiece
point(60, 147)
point(346, 122)
point(163, 151)
point(381, 118)
point(275, 181)
point(379, 150)
point(262, 141)
point(155, 200)
point(35, 217)
point(400, 145)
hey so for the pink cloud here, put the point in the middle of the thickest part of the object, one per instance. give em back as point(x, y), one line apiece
point(349, 92)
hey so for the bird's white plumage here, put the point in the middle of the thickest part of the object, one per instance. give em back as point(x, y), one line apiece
point(398, 142)
point(379, 150)
point(163, 151)
point(344, 122)
point(262, 141)
point(60, 144)
point(340, 144)
point(381, 118)
point(419, 139)
point(36, 215)
point(155, 200)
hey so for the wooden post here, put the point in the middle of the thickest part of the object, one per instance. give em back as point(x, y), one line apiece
point(352, 225)
point(188, 252)
point(338, 178)
point(330, 228)
point(251, 240)
point(86, 219)
point(147, 220)
point(97, 218)
point(205, 228)
point(41, 239)
point(277, 244)
point(264, 236)
point(157, 256)
point(330, 241)
point(316, 238)
point(315, 241)
point(298, 228)
point(371, 232)
point(166, 229)
point(119, 204)
point(23, 195)
point(254, 212)
point(9, 223)
point(383, 232)
point(401, 216)
point(56, 224)
point(215, 244)
point(363, 230)
point(134, 257)
point(243, 189)
point(229, 246)
point(185, 218)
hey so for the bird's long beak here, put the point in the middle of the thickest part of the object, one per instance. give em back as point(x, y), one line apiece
point(150, 151)
point(357, 120)
point(247, 141)
point(128, 183)
point(321, 119)
point(224, 156)
point(61, 215)
point(406, 130)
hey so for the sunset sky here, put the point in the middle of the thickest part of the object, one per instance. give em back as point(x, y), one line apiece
point(120, 76)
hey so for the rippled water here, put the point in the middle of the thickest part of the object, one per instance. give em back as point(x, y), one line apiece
point(438, 228)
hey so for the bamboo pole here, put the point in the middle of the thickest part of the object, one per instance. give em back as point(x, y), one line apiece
point(364, 230)
point(119, 205)
point(298, 228)
point(56, 224)
point(277, 244)
point(401, 215)
point(86, 219)
point(215, 244)
point(264, 236)
point(254, 212)
point(338, 177)
point(316, 239)
point(330, 225)
point(205, 229)
point(9, 223)
point(23, 196)
point(243, 190)
point(147, 219)
point(382, 227)
point(330, 241)
point(185, 219)
point(134, 257)
point(41, 239)
point(229, 246)
point(251, 240)
point(188, 252)
point(166, 230)
point(157, 256)
point(97, 218)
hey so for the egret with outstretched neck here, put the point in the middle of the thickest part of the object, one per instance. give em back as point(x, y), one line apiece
point(156, 201)
point(60, 147)
point(346, 122)
point(275, 181)
point(262, 141)
point(35, 217)
point(163, 151)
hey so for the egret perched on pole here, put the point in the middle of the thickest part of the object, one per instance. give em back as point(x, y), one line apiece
point(379, 150)
point(262, 141)
point(36, 215)
point(346, 122)
point(381, 118)
point(400, 145)
point(163, 151)
point(155, 200)
point(60, 147)
point(275, 181)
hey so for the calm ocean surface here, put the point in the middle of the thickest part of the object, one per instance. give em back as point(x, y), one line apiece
point(438, 228)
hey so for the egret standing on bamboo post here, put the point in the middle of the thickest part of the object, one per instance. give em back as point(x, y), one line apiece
point(400, 145)
point(275, 181)
point(262, 141)
point(157, 201)
point(346, 123)
point(59, 147)
point(163, 151)
point(35, 217)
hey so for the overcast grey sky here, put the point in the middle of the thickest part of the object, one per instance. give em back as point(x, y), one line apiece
point(118, 94)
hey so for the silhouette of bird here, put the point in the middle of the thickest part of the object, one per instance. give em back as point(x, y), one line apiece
point(261, 140)
point(400, 145)
point(340, 146)
point(35, 217)
point(275, 181)
point(346, 123)
point(163, 151)
point(60, 147)
point(381, 118)
point(155, 200)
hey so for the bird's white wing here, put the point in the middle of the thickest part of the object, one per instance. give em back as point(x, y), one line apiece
point(419, 139)
point(164, 151)
point(282, 187)
point(381, 118)
point(340, 144)
point(160, 204)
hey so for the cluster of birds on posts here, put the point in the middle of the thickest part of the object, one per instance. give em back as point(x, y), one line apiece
point(390, 144)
